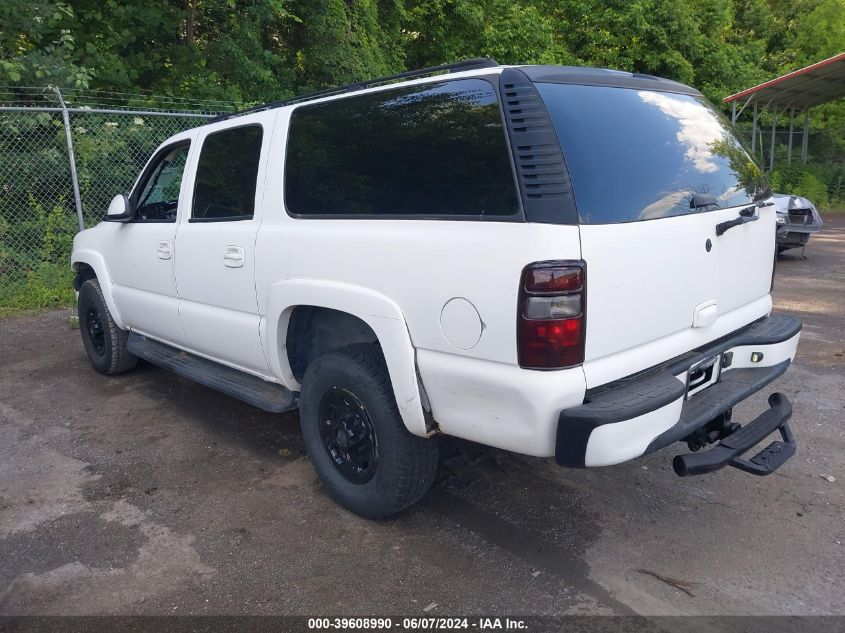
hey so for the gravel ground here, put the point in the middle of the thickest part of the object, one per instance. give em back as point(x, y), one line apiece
point(148, 494)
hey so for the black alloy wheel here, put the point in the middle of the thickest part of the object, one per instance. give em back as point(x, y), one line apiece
point(347, 435)
point(94, 325)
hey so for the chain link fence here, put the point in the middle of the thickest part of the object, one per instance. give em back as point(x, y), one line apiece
point(64, 155)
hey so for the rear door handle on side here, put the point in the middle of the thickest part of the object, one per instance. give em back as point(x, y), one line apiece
point(164, 250)
point(233, 256)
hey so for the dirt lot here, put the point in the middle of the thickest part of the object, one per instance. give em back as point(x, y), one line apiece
point(146, 493)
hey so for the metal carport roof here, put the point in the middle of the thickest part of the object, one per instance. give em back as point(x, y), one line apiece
point(813, 85)
point(797, 91)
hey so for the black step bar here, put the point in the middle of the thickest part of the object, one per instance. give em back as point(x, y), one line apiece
point(729, 450)
point(259, 393)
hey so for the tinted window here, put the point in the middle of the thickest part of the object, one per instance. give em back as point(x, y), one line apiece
point(430, 150)
point(226, 174)
point(641, 155)
point(158, 199)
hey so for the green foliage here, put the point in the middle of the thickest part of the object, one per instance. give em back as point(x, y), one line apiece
point(37, 46)
point(336, 41)
point(37, 218)
point(48, 286)
point(254, 50)
point(824, 186)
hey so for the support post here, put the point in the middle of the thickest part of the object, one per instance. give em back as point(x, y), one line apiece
point(772, 146)
point(804, 138)
point(754, 132)
point(72, 158)
point(733, 112)
point(791, 127)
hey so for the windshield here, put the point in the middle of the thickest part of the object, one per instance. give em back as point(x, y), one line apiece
point(642, 155)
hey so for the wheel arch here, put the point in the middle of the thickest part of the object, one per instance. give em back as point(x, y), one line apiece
point(378, 313)
point(83, 260)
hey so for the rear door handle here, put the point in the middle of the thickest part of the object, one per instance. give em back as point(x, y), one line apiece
point(233, 256)
point(164, 250)
point(749, 214)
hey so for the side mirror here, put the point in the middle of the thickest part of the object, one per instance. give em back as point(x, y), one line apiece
point(119, 209)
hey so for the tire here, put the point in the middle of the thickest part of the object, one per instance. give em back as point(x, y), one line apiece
point(352, 384)
point(104, 342)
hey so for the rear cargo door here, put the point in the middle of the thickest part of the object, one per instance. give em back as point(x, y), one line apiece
point(654, 174)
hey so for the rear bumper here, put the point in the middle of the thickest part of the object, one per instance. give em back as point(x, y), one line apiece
point(799, 230)
point(643, 413)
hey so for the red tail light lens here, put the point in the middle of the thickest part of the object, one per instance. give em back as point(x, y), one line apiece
point(550, 329)
point(553, 279)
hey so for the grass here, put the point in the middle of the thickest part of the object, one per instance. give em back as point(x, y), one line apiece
point(49, 286)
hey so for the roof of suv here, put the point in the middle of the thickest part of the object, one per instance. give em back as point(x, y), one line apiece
point(587, 75)
point(583, 75)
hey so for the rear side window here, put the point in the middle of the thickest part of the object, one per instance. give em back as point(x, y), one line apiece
point(432, 151)
point(642, 155)
point(226, 175)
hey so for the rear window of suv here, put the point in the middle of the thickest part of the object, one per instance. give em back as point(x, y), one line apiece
point(642, 155)
point(433, 150)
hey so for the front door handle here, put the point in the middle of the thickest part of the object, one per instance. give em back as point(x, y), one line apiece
point(165, 250)
point(233, 256)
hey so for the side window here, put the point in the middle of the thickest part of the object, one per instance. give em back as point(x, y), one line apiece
point(158, 199)
point(227, 174)
point(432, 150)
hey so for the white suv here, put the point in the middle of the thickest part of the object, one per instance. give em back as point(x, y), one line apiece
point(557, 261)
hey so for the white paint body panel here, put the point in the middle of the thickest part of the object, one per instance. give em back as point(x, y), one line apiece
point(144, 284)
point(645, 281)
point(88, 249)
point(498, 404)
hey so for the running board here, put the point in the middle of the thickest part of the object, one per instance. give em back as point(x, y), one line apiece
point(259, 393)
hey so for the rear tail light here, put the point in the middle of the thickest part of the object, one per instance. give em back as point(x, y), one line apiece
point(550, 321)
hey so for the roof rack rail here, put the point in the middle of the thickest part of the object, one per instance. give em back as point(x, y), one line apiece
point(466, 64)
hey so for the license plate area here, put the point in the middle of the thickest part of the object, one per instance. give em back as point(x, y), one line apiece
point(703, 374)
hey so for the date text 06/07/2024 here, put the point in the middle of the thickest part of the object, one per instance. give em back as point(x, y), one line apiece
point(415, 623)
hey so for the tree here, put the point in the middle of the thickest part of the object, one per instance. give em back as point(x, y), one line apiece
point(337, 42)
point(36, 45)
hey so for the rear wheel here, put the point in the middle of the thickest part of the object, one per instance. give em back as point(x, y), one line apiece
point(365, 457)
point(104, 342)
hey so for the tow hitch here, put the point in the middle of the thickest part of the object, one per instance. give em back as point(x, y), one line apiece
point(729, 450)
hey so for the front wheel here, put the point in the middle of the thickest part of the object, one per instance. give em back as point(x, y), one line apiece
point(365, 457)
point(104, 342)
